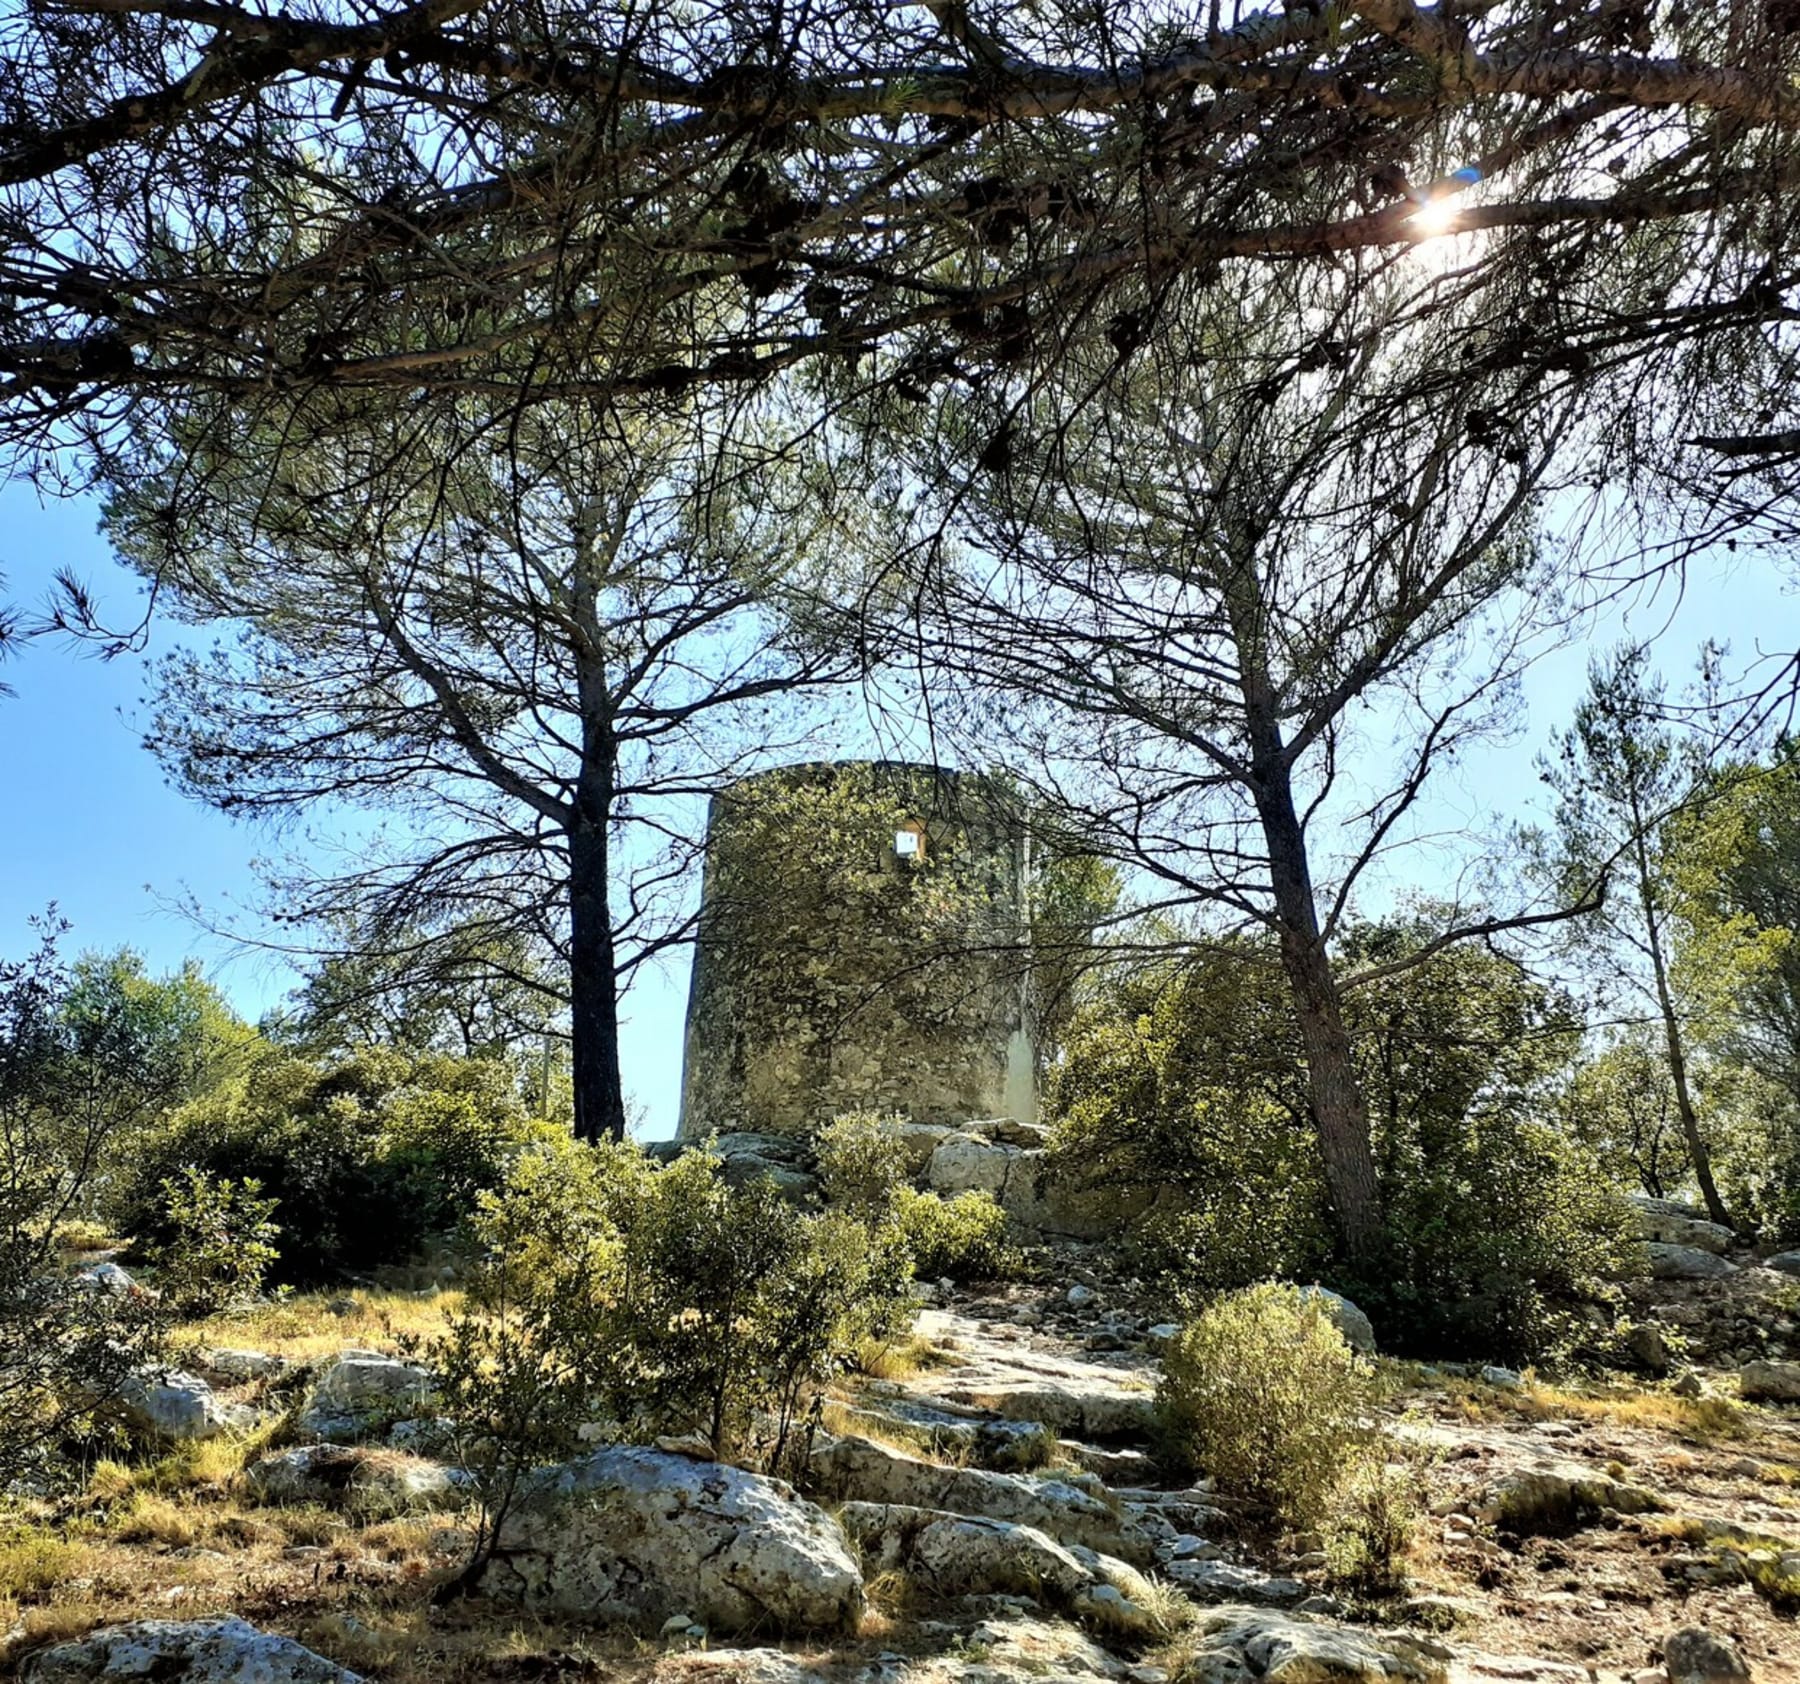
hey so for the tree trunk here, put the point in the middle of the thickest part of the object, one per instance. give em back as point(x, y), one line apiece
point(1678, 1071)
point(593, 978)
point(1340, 1114)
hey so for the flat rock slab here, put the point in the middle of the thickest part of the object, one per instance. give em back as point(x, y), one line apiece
point(1687, 1263)
point(183, 1652)
point(864, 1470)
point(364, 1481)
point(1556, 1497)
point(636, 1536)
point(1073, 1396)
point(1237, 1645)
point(1225, 1581)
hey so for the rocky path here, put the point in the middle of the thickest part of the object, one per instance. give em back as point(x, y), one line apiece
point(998, 1516)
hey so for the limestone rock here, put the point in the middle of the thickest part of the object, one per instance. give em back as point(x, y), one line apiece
point(966, 1162)
point(1770, 1382)
point(1665, 1222)
point(739, 1666)
point(1240, 1644)
point(183, 1652)
point(635, 1535)
point(1224, 1581)
point(230, 1367)
point(1696, 1656)
point(364, 1391)
point(1075, 1397)
point(367, 1482)
point(1687, 1263)
point(965, 1555)
point(1560, 1497)
point(174, 1405)
point(917, 1141)
point(1010, 1646)
point(1356, 1328)
point(110, 1279)
point(860, 1469)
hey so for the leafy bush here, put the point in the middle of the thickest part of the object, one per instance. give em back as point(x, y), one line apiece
point(1372, 1519)
point(1262, 1392)
point(1188, 1078)
point(661, 1299)
point(960, 1239)
point(221, 1244)
point(861, 1165)
point(370, 1157)
point(81, 1067)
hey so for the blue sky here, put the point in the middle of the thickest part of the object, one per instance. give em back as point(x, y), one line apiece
point(88, 821)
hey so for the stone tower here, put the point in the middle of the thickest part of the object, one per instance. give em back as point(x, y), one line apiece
point(864, 943)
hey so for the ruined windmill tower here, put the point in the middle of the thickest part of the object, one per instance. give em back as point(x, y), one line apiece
point(864, 943)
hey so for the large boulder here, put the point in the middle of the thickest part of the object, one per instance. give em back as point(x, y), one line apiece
point(636, 1536)
point(970, 1162)
point(1694, 1655)
point(917, 1141)
point(864, 1470)
point(1358, 1331)
point(183, 1652)
point(965, 1555)
point(1770, 1382)
point(367, 1482)
point(169, 1404)
point(1561, 1497)
point(1665, 1222)
point(1687, 1263)
point(747, 1156)
point(1236, 1645)
point(364, 1392)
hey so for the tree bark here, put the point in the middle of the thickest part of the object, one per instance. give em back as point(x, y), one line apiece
point(1678, 1071)
point(1340, 1114)
point(593, 971)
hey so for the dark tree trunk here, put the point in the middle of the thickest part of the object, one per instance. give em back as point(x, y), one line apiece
point(593, 978)
point(1678, 1070)
point(1340, 1113)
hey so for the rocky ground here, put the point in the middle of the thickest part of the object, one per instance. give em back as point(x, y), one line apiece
point(996, 1514)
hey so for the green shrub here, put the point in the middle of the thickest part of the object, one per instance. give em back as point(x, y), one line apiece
point(82, 1067)
point(861, 1165)
point(659, 1299)
point(371, 1157)
point(221, 1242)
point(1186, 1080)
point(960, 1239)
point(1372, 1519)
point(1261, 1392)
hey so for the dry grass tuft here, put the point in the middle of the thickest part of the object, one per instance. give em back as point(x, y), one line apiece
point(303, 1329)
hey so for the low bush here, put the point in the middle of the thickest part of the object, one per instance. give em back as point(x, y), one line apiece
point(221, 1242)
point(1371, 1521)
point(1261, 1392)
point(862, 1173)
point(659, 1299)
point(861, 1165)
point(960, 1239)
point(370, 1157)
